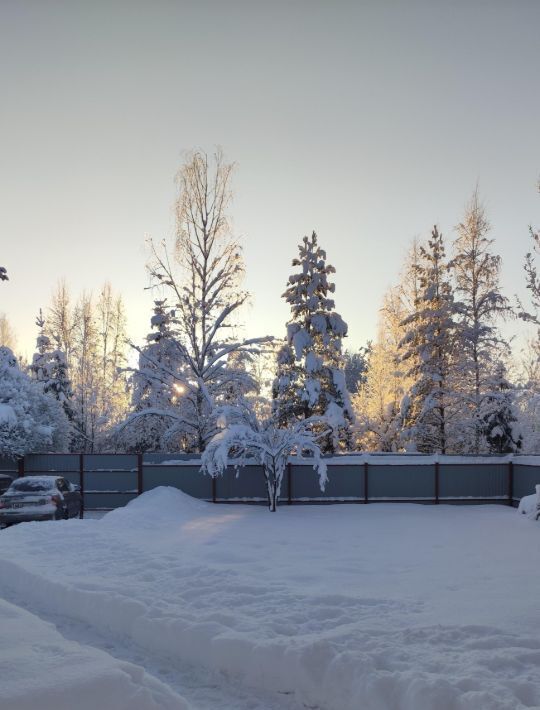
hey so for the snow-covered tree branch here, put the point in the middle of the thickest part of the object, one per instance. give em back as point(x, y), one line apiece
point(245, 440)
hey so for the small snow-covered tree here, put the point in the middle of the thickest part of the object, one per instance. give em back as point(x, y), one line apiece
point(246, 441)
point(499, 415)
point(3, 274)
point(30, 419)
point(49, 367)
point(430, 344)
point(203, 280)
point(310, 380)
point(476, 271)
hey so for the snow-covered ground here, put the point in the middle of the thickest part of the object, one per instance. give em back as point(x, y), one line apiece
point(378, 607)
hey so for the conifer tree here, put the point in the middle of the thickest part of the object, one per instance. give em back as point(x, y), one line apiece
point(310, 380)
point(429, 343)
point(154, 393)
point(499, 415)
point(476, 271)
point(49, 367)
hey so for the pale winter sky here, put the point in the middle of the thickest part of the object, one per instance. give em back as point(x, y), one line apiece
point(367, 121)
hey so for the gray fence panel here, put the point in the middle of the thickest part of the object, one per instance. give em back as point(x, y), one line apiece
point(106, 501)
point(473, 480)
point(186, 478)
point(108, 462)
point(249, 484)
point(125, 481)
point(8, 466)
point(525, 479)
point(51, 463)
point(160, 458)
point(389, 482)
point(305, 483)
point(344, 483)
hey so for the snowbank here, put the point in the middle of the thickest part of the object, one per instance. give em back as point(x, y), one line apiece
point(41, 669)
point(530, 505)
point(381, 607)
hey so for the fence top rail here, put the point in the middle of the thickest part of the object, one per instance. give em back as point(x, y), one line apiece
point(346, 459)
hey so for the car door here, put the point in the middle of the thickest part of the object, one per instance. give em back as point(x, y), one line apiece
point(65, 489)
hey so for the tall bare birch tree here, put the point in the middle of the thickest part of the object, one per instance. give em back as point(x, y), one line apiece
point(201, 276)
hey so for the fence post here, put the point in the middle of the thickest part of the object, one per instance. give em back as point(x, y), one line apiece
point(140, 482)
point(436, 483)
point(289, 483)
point(81, 483)
point(20, 467)
point(214, 491)
point(366, 482)
point(511, 483)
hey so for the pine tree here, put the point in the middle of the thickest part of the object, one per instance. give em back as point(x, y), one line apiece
point(499, 415)
point(476, 271)
point(154, 389)
point(310, 380)
point(430, 343)
point(49, 367)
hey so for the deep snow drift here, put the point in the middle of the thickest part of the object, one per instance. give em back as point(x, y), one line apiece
point(379, 607)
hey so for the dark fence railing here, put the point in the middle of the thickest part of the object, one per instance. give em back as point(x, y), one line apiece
point(112, 480)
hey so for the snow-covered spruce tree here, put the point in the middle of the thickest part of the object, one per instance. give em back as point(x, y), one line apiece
point(244, 440)
point(30, 419)
point(430, 343)
point(499, 414)
point(202, 278)
point(377, 403)
point(49, 367)
point(476, 273)
point(153, 388)
point(310, 380)
point(355, 366)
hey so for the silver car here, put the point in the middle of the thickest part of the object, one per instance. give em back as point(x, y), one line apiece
point(39, 498)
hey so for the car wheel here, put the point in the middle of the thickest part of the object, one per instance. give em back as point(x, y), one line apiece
point(62, 514)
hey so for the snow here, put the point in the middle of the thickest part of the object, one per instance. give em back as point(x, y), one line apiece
point(7, 415)
point(41, 669)
point(530, 505)
point(383, 607)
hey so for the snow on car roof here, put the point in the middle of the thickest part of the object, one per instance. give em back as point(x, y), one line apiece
point(43, 480)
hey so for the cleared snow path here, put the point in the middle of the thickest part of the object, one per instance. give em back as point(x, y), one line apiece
point(39, 668)
point(381, 607)
point(201, 688)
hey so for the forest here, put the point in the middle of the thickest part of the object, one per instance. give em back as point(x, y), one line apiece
point(439, 377)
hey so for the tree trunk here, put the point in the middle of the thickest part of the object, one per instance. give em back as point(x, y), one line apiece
point(272, 489)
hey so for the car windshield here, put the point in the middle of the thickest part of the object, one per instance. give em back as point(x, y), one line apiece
point(31, 486)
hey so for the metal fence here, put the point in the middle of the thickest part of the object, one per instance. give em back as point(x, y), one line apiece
point(112, 480)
